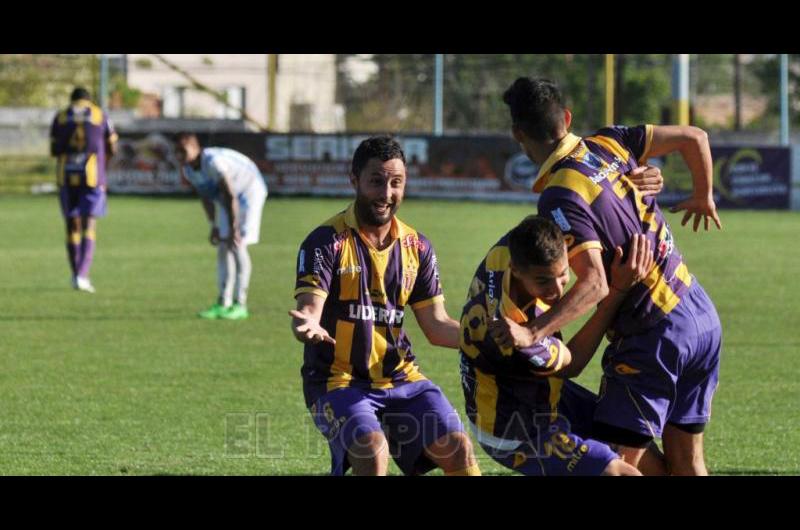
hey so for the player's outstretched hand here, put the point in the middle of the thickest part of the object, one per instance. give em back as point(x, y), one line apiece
point(647, 179)
point(702, 208)
point(636, 267)
point(308, 330)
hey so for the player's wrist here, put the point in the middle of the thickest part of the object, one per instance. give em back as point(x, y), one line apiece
point(619, 290)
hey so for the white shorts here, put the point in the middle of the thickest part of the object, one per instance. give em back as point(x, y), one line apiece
point(251, 204)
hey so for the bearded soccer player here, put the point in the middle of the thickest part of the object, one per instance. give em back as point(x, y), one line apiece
point(358, 273)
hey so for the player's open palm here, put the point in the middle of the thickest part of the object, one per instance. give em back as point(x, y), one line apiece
point(702, 208)
point(636, 267)
point(307, 329)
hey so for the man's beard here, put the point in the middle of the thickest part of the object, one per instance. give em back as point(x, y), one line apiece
point(367, 214)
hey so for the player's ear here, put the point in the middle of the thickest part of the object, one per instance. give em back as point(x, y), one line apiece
point(567, 118)
point(354, 180)
point(519, 136)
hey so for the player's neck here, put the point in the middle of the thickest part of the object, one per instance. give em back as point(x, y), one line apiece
point(377, 236)
point(542, 152)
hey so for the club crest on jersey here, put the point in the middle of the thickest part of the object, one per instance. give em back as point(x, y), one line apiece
point(666, 245)
point(411, 241)
point(338, 240)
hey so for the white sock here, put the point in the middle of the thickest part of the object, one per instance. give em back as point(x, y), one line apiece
point(225, 274)
point(244, 268)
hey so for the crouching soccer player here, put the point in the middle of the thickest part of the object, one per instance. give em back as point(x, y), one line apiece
point(233, 194)
point(523, 412)
point(357, 274)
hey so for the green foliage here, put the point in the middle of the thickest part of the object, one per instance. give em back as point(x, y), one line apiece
point(38, 80)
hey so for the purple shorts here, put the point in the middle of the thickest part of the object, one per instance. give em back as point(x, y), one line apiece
point(667, 374)
point(412, 416)
point(82, 201)
point(557, 445)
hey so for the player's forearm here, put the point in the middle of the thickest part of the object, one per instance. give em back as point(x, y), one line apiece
point(584, 295)
point(208, 207)
point(449, 334)
point(233, 211)
point(586, 341)
point(697, 154)
point(445, 333)
point(231, 206)
point(692, 143)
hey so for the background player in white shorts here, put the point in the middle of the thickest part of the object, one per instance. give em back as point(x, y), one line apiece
point(233, 194)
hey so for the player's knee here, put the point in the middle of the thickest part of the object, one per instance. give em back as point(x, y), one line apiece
point(372, 443)
point(631, 455)
point(620, 468)
point(452, 451)
point(74, 225)
point(369, 454)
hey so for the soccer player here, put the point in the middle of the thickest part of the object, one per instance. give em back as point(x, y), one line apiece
point(233, 193)
point(662, 364)
point(523, 412)
point(357, 275)
point(81, 139)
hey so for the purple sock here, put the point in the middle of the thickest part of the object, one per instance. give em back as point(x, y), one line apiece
point(87, 254)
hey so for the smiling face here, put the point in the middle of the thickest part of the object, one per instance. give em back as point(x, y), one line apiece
point(545, 282)
point(380, 187)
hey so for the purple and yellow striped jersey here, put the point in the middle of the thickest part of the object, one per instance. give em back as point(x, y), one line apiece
point(366, 293)
point(585, 191)
point(79, 137)
point(496, 378)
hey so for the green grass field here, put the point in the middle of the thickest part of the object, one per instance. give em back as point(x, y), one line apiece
point(129, 381)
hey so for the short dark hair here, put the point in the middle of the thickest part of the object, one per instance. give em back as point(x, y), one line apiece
point(535, 242)
point(537, 108)
point(185, 135)
point(79, 93)
point(384, 148)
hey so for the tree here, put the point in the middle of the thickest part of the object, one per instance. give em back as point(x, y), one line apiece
point(40, 80)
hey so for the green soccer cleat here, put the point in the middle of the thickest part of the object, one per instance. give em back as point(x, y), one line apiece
point(235, 312)
point(212, 313)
